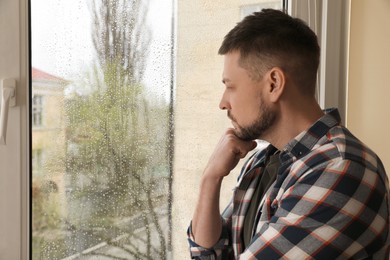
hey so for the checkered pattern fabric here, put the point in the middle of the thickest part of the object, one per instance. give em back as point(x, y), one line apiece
point(330, 200)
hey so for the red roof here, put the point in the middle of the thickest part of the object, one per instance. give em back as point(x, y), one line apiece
point(37, 74)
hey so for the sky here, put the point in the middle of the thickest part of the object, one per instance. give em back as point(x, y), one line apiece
point(62, 46)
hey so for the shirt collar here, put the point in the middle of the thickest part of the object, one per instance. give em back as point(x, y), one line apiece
point(303, 143)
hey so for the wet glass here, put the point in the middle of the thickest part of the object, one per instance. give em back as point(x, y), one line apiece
point(101, 129)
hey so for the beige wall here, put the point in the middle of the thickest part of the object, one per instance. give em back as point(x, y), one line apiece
point(368, 113)
point(199, 123)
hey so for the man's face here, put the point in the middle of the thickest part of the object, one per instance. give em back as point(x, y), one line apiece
point(243, 99)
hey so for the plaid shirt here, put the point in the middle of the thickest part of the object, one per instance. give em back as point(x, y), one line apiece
point(330, 200)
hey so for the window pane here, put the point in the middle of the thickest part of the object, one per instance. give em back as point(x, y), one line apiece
point(101, 113)
point(37, 109)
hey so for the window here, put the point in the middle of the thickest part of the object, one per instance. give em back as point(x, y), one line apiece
point(101, 112)
point(37, 109)
point(103, 93)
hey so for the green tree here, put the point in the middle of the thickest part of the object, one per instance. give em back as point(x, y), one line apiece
point(118, 154)
point(117, 157)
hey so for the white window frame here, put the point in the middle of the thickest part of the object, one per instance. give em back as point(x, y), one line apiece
point(14, 169)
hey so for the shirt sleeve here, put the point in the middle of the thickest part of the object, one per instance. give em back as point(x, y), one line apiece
point(222, 249)
point(338, 212)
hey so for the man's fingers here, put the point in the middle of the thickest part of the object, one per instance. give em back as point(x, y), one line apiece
point(245, 147)
point(252, 145)
point(240, 147)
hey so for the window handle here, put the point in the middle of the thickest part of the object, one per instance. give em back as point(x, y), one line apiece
point(8, 99)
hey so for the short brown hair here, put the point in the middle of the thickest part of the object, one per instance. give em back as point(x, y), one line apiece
point(272, 38)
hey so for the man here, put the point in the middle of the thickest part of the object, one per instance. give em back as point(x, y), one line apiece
point(316, 191)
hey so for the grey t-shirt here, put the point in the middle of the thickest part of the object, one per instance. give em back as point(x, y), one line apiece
point(265, 180)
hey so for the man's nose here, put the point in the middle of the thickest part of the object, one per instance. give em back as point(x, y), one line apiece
point(224, 104)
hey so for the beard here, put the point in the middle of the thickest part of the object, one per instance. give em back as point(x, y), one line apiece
point(262, 123)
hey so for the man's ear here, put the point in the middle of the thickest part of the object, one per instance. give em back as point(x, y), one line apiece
point(277, 82)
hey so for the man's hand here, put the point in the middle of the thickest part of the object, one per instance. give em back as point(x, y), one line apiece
point(227, 154)
point(207, 223)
